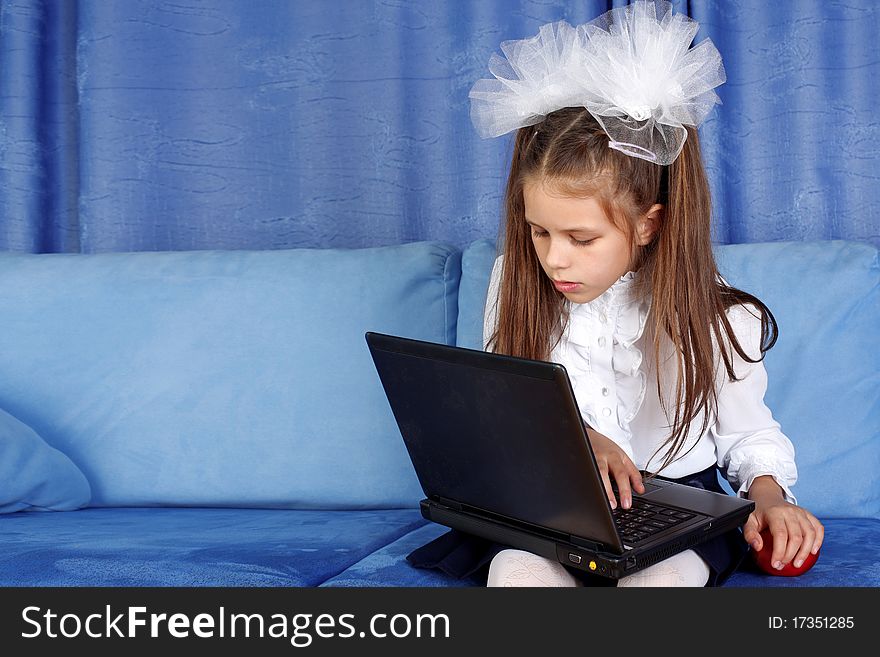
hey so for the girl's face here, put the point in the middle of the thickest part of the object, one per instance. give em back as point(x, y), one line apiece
point(579, 247)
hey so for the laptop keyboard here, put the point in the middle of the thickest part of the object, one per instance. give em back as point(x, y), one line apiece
point(642, 520)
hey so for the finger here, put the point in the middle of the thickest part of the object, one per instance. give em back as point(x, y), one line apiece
point(795, 539)
point(752, 533)
point(603, 470)
point(780, 542)
point(636, 479)
point(623, 488)
point(820, 534)
point(809, 537)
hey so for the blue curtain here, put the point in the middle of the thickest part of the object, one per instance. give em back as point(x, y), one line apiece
point(146, 125)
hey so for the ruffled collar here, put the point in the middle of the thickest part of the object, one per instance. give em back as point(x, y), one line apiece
point(623, 291)
point(600, 348)
point(620, 305)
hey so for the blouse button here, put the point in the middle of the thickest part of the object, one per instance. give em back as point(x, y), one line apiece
point(602, 341)
point(606, 412)
point(603, 317)
point(604, 392)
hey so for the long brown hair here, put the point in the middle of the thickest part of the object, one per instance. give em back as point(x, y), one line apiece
point(570, 150)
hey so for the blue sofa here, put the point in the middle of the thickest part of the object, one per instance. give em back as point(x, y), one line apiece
point(214, 418)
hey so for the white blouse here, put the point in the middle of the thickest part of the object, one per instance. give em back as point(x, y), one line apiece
point(603, 348)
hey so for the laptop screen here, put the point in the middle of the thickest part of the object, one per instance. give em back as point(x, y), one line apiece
point(494, 432)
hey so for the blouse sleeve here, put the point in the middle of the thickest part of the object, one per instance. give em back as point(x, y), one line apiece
point(490, 313)
point(749, 442)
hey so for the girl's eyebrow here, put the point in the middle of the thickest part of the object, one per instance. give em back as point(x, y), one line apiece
point(581, 229)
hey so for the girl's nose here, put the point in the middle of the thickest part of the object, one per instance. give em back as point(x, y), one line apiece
point(556, 256)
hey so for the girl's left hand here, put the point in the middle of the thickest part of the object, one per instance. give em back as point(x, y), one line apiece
point(796, 532)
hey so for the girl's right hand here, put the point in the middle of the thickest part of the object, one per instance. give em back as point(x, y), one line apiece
point(612, 460)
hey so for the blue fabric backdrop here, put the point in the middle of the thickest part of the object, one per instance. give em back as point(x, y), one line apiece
point(145, 125)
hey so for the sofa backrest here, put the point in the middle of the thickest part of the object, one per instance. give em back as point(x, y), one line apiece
point(237, 378)
point(824, 371)
point(242, 378)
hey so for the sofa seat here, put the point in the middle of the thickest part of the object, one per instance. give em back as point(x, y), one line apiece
point(850, 556)
point(275, 547)
point(388, 566)
point(192, 546)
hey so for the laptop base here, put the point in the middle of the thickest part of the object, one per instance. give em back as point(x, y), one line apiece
point(581, 555)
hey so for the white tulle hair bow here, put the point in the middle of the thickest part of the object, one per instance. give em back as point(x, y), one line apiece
point(632, 68)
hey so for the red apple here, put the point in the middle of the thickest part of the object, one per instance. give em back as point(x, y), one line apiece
point(763, 556)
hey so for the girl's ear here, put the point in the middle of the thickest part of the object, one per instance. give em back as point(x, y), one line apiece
point(649, 225)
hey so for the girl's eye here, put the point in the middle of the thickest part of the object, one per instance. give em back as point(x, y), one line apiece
point(543, 233)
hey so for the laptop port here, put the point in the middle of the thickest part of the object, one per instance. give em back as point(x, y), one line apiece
point(574, 558)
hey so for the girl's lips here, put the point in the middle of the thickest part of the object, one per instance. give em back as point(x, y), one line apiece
point(565, 286)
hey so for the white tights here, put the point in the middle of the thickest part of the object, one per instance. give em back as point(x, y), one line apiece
point(518, 568)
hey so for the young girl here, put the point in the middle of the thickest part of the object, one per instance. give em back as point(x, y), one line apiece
point(607, 268)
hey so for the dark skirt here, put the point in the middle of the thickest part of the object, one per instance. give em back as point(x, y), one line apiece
point(463, 555)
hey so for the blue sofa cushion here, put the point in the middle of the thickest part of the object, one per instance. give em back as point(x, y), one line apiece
point(192, 547)
point(237, 378)
point(388, 566)
point(824, 372)
point(476, 265)
point(35, 476)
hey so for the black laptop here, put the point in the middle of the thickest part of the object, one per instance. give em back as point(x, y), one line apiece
point(501, 451)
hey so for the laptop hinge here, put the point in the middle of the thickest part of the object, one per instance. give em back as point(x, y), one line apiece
point(445, 501)
point(576, 540)
point(590, 545)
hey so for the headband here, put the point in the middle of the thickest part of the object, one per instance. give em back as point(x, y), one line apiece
point(632, 68)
